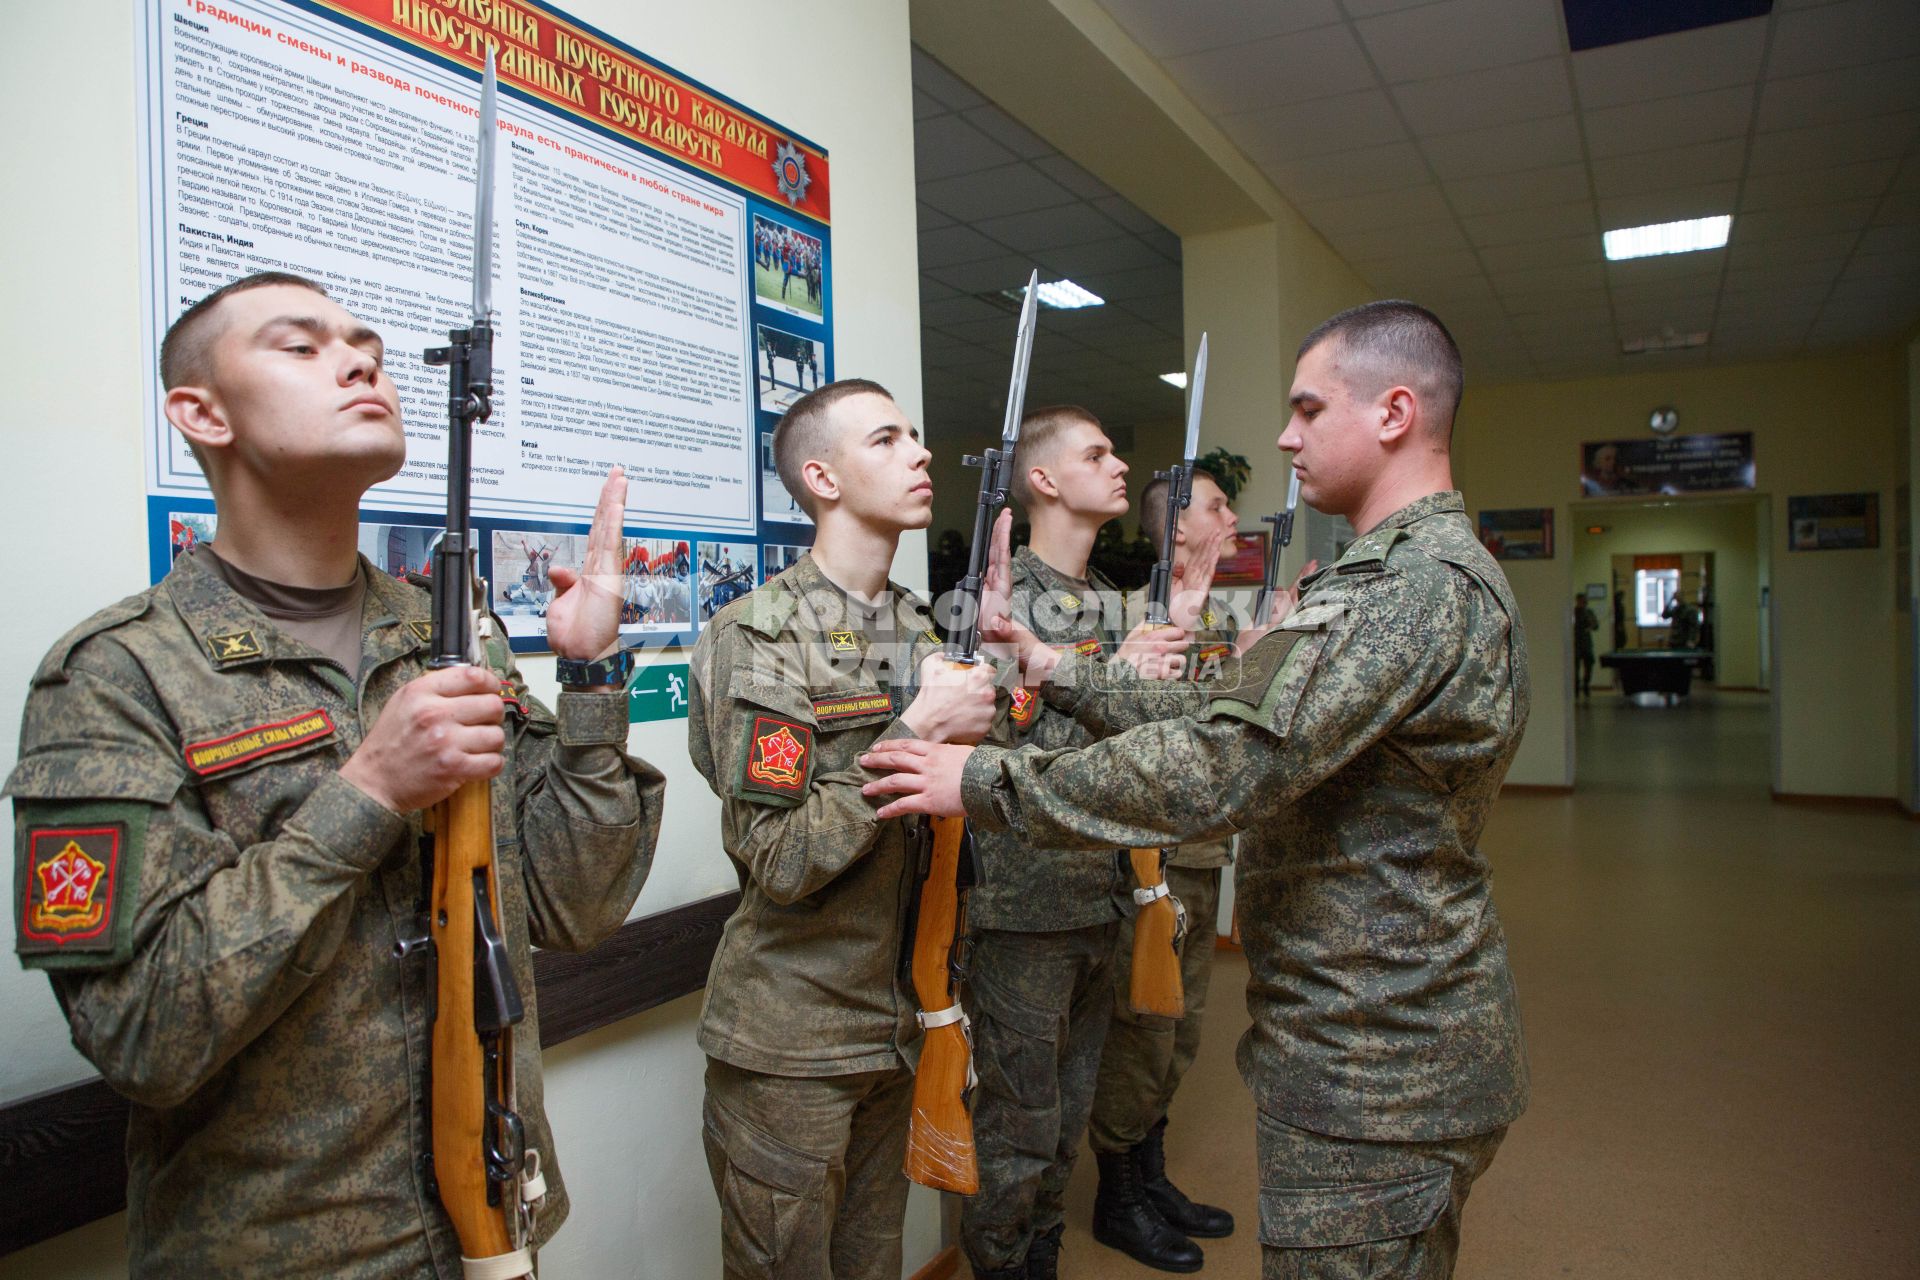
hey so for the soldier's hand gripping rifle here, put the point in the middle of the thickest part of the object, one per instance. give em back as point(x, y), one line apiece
point(487, 1179)
point(940, 1150)
point(1282, 523)
point(1155, 986)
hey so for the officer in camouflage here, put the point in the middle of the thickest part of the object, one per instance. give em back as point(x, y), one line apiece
point(1145, 1056)
point(1042, 928)
point(809, 1023)
point(218, 814)
point(1357, 757)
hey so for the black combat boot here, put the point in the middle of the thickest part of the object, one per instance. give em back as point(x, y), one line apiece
point(1206, 1221)
point(1043, 1256)
point(1124, 1219)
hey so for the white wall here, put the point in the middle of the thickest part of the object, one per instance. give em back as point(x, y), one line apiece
point(625, 1101)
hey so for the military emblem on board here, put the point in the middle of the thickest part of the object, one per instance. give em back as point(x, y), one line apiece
point(790, 170)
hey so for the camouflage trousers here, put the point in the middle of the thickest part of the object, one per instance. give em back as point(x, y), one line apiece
point(808, 1171)
point(1145, 1056)
point(1343, 1209)
point(1039, 1004)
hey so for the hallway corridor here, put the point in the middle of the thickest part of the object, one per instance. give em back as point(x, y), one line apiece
point(1722, 1006)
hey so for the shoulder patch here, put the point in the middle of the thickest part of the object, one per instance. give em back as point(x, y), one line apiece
point(843, 641)
point(1025, 706)
point(77, 876)
point(1086, 648)
point(778, 760)
point(1260, 666)
point(233, 646)
point(1068, 600)
point(422, 629)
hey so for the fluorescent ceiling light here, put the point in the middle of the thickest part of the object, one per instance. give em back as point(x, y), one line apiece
point(1178, 379)
point(1668, 341)
point(1667, 237)
point(1061, 295)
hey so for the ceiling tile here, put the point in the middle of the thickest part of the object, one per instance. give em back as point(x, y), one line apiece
point(985, 276)
point(1084, 262)
point(1669, 122)
point(1796, 298)
point(1008, 132)
point(932, 290)
point(928, 217)
point(1591, 322)
point(1556, 301)
point(1505, 148)
point(1527, 189)
point(1402, 271)
point(1644, 319)
point(1766, 253)
point(1267, 73)
point(1787, 224)
point(1784, 275)
point(1824, 146)
point(956, 310)
point(945, 246)
point(1317, 127)
point(950, 90)
point(1661, 292)
point(1349, 173)
point(1122, 211)
point(1480, 99)
point(1074, 178)
point(945, 146)
point(1668, 267)
point(1375, 212)
point(1892, 239)
point(1556, 222)
point(1717, 57)
point(1141, 283)
point(1422, 237)
point(1909, 176)
point(1823, 186)
point(1844, 35)
point(1048, 228)
point(1542, 253)
point(1668, 206)
point(1897, 206)
point(1849, 94)
point(1674, 169)
point(1013, 188)
point(1461, 35)
point(925, 104)
point(1589, 275)
point(1893, 273)
point(1166, 30)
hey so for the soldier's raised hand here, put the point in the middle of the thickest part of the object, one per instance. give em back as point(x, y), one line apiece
point(583, 621)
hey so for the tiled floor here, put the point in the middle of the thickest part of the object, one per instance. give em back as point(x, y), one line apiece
point(1722, 1005)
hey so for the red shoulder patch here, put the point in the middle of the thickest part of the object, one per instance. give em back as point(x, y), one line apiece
point(1026, 706)
point(71, 875)
point(782, 752)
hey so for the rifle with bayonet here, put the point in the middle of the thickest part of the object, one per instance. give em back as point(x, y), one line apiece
point(1158, 923)
point(487, 1179)
point(940, 1150)
point(1282, 523)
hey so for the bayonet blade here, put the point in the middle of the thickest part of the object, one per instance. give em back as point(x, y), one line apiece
point(1196, 392)
point(1022, 357)
point(483, 197)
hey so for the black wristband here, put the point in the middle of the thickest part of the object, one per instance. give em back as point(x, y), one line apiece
point(609, 672)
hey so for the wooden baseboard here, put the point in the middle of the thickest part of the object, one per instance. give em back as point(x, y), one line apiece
point(1739, 688)
point(1855, 804)
point(1225, 942)
point(1534, 789)
point(943, 1265)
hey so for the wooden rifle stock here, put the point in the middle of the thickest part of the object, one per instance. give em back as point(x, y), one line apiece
point(1155, 986)
point(940, 1150)
point(472, 1100)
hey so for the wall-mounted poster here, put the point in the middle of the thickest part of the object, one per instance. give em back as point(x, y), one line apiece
point(647, 231)
point(1833, 522)
point(1674, 464)
point(1244, 563)
point(1519, 533)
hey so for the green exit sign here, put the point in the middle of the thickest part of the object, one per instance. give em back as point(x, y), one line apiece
point(658, 693)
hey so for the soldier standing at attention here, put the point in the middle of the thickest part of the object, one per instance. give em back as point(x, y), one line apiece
point(808, 1021)
point(1145, 1056)
point(1358, 758)
point(218, 815)
point(1042, 928)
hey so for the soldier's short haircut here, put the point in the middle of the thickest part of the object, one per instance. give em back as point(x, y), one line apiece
point(184, 351)
point(1153, 505)
point(805, 433)
point(1399, 343)
point(1039, 433)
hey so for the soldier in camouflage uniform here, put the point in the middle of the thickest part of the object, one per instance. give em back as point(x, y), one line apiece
point(1042, 931)
point(1357, 757)
point(218, 815)
point(809, 1025)
point(1145, 1056)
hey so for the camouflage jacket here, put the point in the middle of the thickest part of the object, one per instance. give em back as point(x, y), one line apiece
point(788, 686)
point(1037, 890)
point(1357, 757)
point(217, 909)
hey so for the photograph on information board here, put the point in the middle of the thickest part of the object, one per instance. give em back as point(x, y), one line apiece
point(399, 549)
point(788, 268)
point(727, 572)
point(776, 503)
point(523, 563)
point(656, 587)
point(789, 366)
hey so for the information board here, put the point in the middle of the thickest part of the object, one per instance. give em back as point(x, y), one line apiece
point(663, 283)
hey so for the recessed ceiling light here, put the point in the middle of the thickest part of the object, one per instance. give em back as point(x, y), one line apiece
point(1668, 341)
point(1177, 378)
point(1667, 237)
point(1061, 295)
